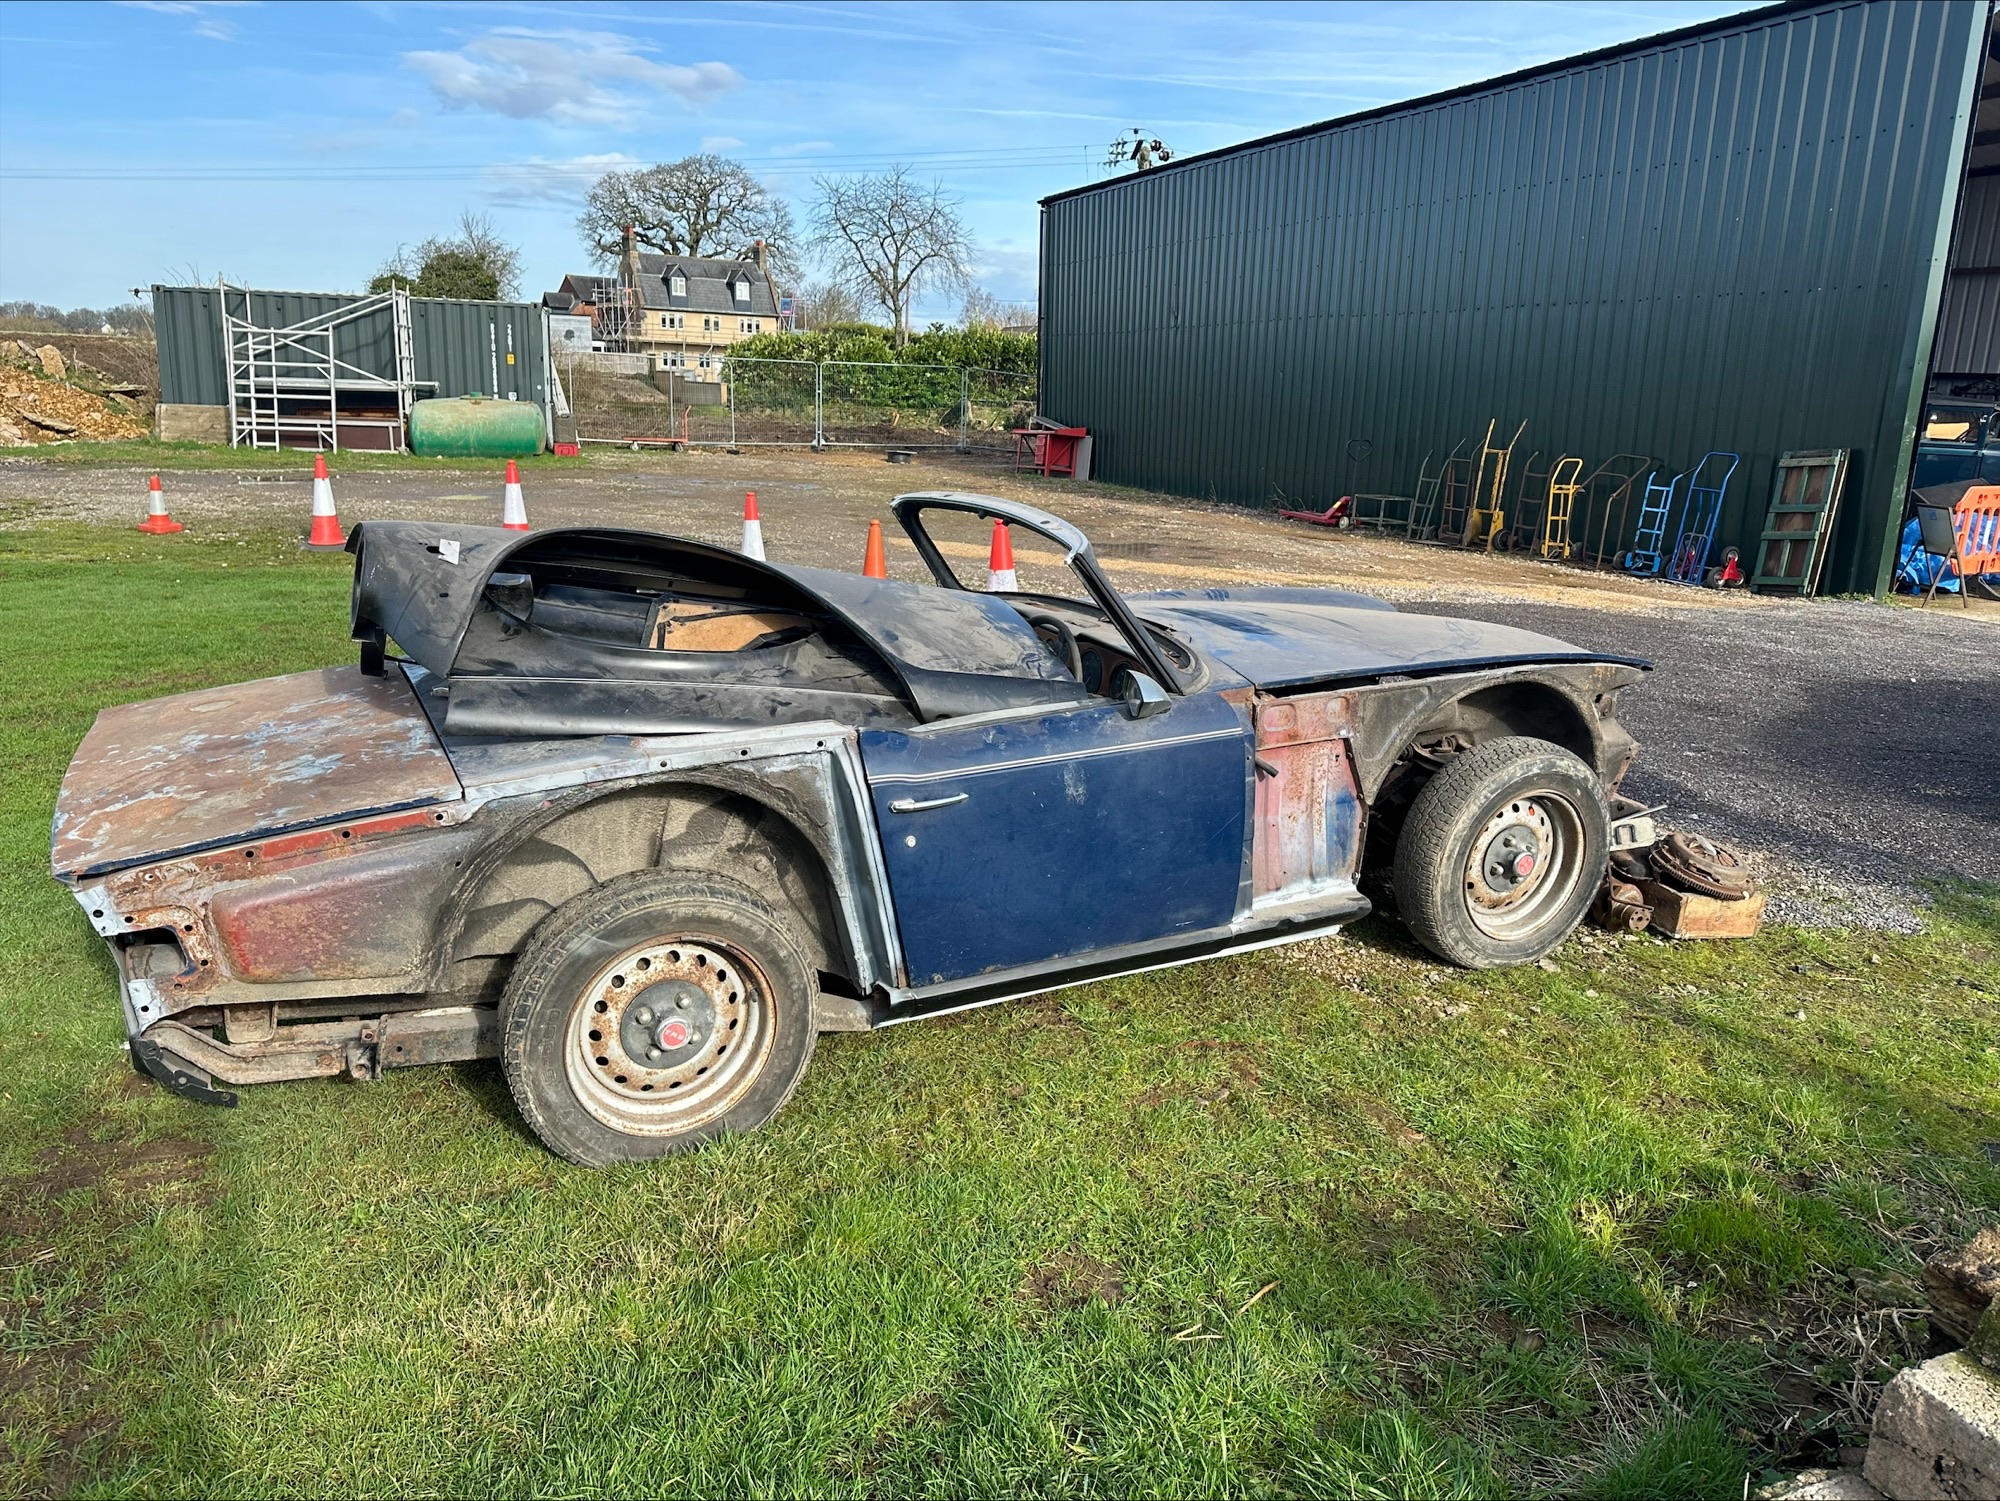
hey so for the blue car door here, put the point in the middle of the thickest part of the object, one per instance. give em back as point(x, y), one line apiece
point(1017, 840)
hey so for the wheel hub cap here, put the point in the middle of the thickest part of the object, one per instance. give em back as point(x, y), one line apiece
point(1513, 856)
point(667, 1036)
point(1523, 865)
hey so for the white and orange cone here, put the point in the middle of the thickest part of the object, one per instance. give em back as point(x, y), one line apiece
point(1000, 577)
point(157, 523)
point(326, 534)
point(514, 510)
point(753, 529)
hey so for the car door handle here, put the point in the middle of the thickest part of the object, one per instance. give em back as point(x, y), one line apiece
point(922, 805)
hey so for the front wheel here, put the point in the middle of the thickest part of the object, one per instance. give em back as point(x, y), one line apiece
point(1501, 853)
point(653, 1013)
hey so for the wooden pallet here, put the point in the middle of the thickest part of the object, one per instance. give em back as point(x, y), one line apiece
point(1804, 498)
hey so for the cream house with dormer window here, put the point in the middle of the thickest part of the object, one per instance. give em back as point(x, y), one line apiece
point(687, 310)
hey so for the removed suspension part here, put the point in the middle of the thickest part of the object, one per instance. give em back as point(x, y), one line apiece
point(1700, 865)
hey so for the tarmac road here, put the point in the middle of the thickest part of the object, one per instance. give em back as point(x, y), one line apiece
point(1854, 743)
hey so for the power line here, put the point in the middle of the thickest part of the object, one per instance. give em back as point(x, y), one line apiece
point(1012, 159)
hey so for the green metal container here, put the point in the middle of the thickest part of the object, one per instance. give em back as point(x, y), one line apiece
point(475, 427)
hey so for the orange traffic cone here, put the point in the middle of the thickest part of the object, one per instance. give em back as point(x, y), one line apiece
point(875, 565)
point(325, 535)
point(514, 510)
point(753, 529)
point(1000, 563)
point(157, 523)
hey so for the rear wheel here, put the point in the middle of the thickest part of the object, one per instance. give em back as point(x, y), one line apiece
point(1501, 853)
point(653, 1013)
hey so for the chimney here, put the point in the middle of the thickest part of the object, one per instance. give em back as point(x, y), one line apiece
point(628, 258)
point(760, 254)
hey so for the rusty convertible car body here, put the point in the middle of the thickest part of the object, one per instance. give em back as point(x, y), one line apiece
point(641, 816)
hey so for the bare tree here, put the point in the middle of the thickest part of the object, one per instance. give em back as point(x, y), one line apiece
point(821, 304)
point(474, 263)
point(478, 238)
point(889, 238)
point(698, 206)
point(984, 310)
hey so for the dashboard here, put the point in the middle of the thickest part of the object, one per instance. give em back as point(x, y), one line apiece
point(1101, 650)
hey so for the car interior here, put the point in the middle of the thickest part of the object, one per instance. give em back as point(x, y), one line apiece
point(573, 604)
point(1074, 627)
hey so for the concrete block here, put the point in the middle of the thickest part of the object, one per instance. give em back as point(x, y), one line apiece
point(1937, 1433)
point(176, 422)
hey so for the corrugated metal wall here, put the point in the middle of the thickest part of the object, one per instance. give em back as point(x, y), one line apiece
point(1725, 239)
point(463, 346)
point(1968, 341)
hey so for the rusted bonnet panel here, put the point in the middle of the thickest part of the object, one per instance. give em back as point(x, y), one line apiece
point(1307, 836)
point(184, 773)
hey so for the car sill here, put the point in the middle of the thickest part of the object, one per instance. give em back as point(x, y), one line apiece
point(1132, 959)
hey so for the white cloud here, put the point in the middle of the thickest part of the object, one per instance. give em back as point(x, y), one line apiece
point(719, 143)
point(572, 77)
point(206, 22)
point(537, 181)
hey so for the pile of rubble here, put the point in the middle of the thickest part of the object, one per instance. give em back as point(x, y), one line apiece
point(1936, 1434)
point(47, 399)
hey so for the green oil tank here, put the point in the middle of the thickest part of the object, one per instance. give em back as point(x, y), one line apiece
point(475, 427)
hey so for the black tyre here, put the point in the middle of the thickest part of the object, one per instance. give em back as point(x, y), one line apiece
point(1501, 853)
point(653, 1013)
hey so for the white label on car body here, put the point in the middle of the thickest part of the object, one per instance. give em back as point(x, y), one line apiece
point(448, 550)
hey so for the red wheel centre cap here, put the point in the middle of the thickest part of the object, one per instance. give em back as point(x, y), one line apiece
point(1523, 863)
point(674, 1033)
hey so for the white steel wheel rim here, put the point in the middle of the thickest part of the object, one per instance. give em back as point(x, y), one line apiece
point(1506, 905)
point(645, 1088)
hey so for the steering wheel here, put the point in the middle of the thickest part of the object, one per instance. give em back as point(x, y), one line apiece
point(1064, 646)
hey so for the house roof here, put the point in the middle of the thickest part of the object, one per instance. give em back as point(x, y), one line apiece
point(589, 289)
point(708, 285)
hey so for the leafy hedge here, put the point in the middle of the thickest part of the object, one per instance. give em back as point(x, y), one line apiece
point(866, 343)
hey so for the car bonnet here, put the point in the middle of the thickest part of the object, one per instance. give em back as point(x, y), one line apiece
point(1278, 638)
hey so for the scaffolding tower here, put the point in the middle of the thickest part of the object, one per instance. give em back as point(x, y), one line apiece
point(619, 311)
point(288, 385)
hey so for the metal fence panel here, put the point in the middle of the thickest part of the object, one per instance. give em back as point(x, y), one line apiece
point(801, 404)
point(766, 403)
point(891, 406)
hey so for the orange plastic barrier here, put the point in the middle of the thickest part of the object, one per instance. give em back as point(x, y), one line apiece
point(1976, 520)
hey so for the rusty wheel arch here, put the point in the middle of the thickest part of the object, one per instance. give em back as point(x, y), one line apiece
point(575, 842)
point(1526, 707)
point(1431, 728)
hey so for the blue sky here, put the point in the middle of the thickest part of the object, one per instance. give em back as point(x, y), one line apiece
point(296, 145)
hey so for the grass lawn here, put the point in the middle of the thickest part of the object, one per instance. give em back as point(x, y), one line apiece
point(1329, 1220)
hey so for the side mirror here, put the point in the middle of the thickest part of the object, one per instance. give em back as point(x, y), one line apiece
point(512, 594)
point(1143, 697)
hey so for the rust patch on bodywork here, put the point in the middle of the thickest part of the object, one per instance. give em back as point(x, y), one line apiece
point(1307, 837)
point(157, 779)
point(368, 915)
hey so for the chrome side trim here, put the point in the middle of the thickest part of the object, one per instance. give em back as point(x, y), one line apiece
point(1054, 758)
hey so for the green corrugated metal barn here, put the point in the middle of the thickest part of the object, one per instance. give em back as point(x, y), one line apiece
point(245, 354)
point(1736, 236)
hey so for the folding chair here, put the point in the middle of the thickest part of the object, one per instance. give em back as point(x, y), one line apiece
point(1937, 536)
